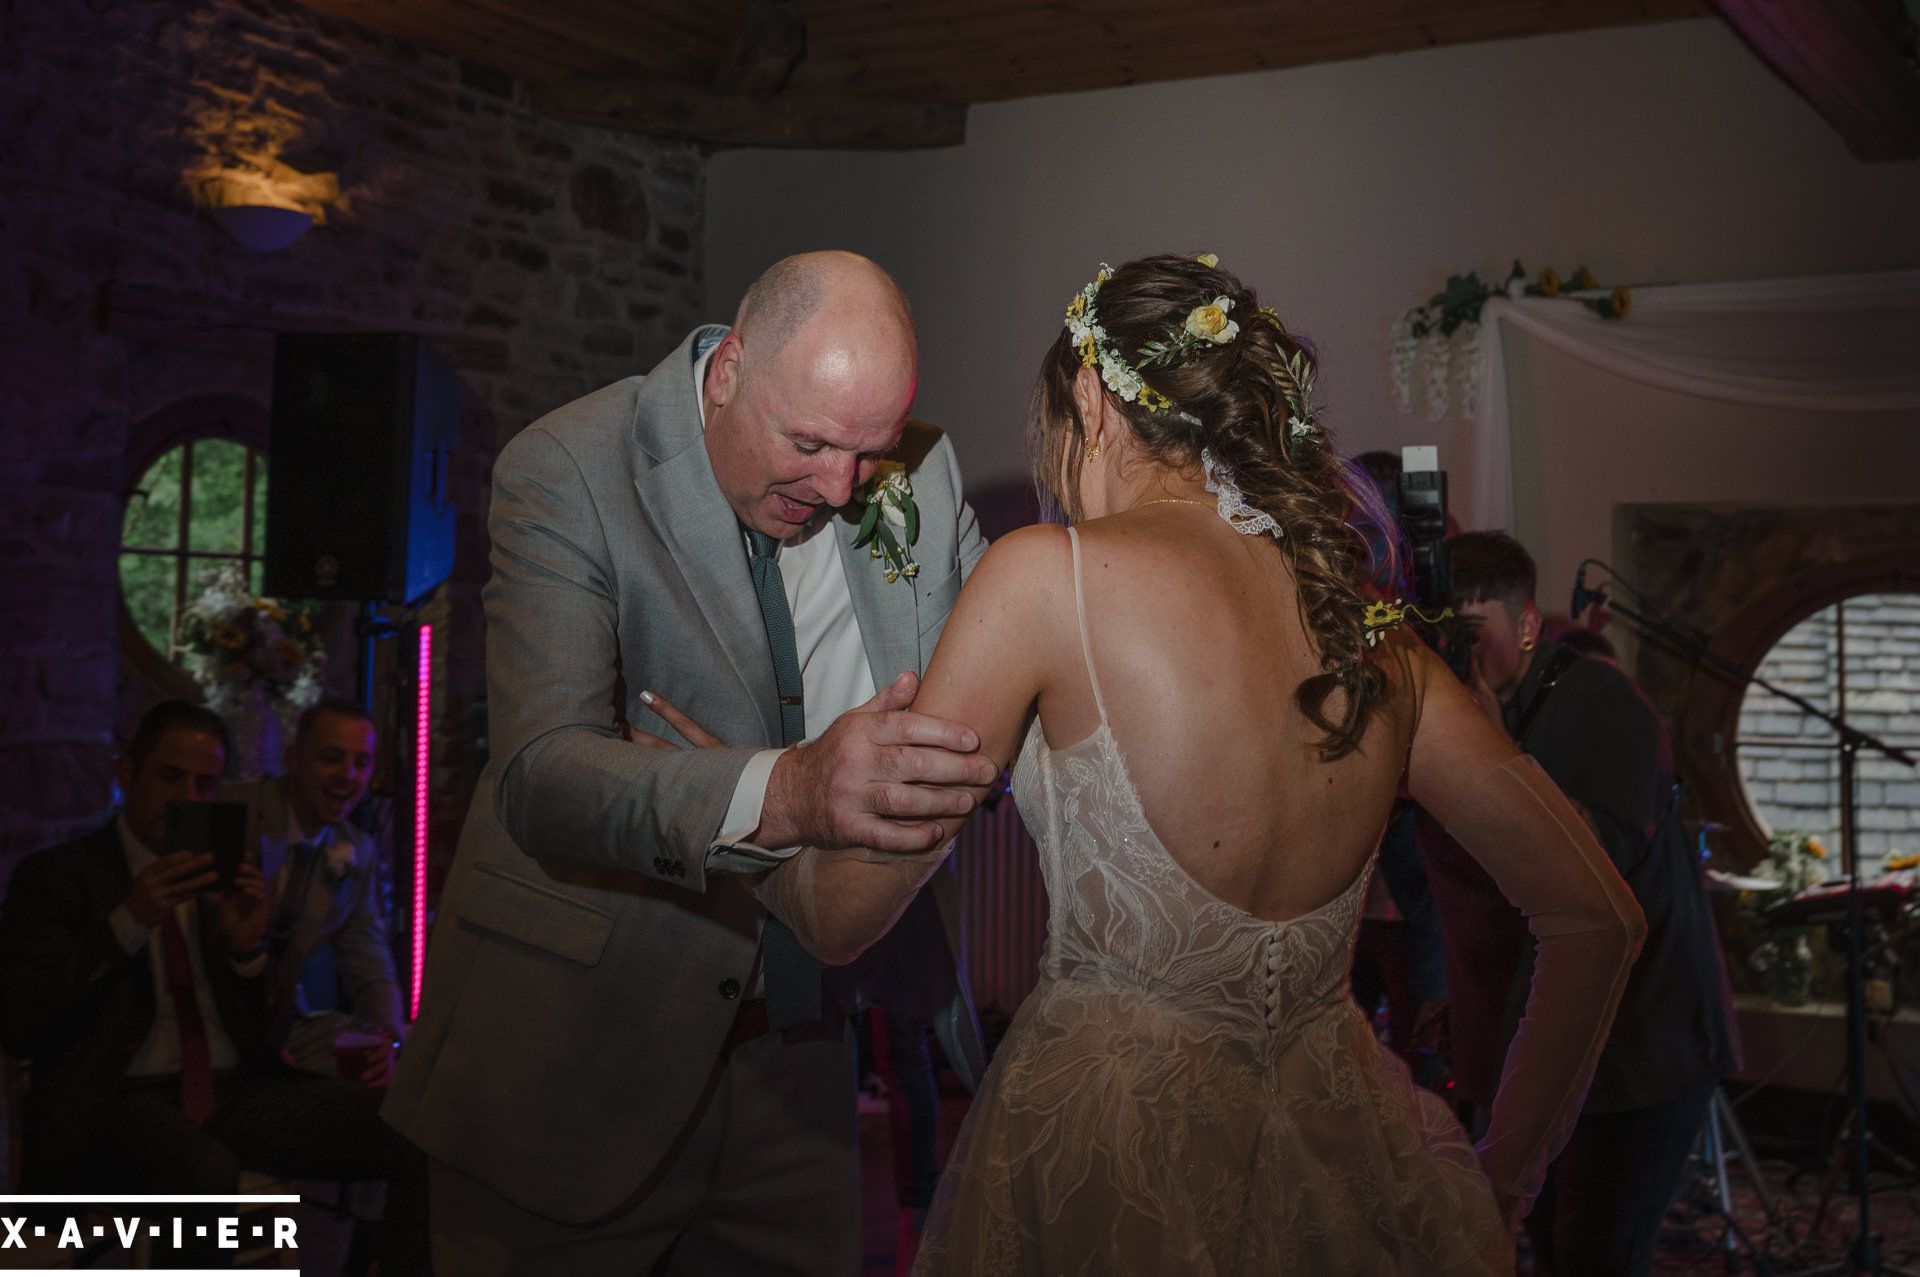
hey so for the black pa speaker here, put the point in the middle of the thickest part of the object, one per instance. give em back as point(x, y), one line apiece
point(357, 504)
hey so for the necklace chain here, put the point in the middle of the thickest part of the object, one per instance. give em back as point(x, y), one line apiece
point(1172, 501)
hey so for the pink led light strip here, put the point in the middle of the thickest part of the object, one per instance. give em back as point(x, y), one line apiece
point(422, 716)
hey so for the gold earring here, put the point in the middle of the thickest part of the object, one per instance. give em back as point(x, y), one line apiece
point(1526, 645)
point(1092, 452)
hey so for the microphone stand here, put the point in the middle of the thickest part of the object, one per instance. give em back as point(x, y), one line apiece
point(1863, 1256)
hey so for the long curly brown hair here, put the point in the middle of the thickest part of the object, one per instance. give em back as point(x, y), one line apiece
point(1237, 391)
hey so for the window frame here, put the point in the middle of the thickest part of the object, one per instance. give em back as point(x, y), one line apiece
point(181, 424)
point(1708, 735)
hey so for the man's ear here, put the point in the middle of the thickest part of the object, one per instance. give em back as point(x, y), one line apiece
point(723, 372)
point(1531, 623)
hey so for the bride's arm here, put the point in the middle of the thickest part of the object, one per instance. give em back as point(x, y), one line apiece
point(993, 659)
point(1502, 808)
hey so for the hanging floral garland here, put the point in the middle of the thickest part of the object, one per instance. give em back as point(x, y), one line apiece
point(1440, 338)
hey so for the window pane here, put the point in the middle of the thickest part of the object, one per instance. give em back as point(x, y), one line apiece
point(1788, 761)
point(146, 580)
point(259, 507)
point(153, 511)
point(1802, 662)
point(1883, 665)
point(218, 487)
point(254, 577)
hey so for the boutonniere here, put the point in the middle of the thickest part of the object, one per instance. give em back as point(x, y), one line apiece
point(338, 862)
point(891, 522)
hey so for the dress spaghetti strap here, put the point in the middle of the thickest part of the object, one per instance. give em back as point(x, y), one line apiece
point(1086, 645)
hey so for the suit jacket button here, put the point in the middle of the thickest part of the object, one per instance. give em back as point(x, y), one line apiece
point(729, 988)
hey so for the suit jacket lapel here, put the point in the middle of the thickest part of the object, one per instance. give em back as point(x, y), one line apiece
point(682, 501)
point(888, 613)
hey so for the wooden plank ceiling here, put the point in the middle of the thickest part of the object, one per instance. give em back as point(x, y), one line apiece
point(900, 73)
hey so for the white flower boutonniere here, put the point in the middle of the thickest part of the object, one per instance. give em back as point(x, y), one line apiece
point(891, 521)
point(338, 861)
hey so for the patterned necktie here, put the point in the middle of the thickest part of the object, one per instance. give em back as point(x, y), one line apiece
point(791, 973)
point(196, 1060)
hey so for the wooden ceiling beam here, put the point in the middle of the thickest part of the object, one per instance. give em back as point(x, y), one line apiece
point(1028, 49)
point(659, 107)
point(1853, 60)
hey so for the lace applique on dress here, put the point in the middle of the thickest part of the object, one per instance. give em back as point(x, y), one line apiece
point(1233, 505)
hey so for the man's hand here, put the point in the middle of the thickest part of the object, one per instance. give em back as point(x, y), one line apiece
point(880, 776)
point(243, 910)
point(165, 882)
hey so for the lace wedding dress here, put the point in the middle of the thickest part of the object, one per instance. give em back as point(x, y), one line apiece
point(1190, 1089)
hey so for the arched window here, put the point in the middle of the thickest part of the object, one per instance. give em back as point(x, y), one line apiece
point(199, 500)
point(1859, 657)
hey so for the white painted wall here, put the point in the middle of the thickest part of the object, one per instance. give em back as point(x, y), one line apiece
point(1586, 441)
point(1346, 192)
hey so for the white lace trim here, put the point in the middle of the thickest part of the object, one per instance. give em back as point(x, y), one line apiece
point(1233, 505)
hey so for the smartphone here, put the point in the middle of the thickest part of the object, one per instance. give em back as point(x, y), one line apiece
point(216, 828)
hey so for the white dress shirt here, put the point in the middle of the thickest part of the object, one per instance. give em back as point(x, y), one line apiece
point(159, 1054)
point(834, 673)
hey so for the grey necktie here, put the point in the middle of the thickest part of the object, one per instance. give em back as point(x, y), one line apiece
point(792, 974)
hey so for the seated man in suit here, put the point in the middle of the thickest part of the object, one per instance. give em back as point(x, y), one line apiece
point(323, 888)
point(138, 992)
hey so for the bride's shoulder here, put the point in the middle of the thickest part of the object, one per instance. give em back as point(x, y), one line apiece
point(1027, 561)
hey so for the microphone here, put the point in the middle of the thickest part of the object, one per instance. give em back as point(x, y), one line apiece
point(1582, 596)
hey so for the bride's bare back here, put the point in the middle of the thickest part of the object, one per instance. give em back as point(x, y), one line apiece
point(1199, 647)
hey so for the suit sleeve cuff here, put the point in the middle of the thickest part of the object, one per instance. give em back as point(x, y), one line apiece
point(729, 852)
point(128, 934)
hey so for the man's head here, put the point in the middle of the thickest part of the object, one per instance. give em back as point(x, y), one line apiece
point(809, 390)
point(178, 754)
point(1493, 584)
point(329, 761)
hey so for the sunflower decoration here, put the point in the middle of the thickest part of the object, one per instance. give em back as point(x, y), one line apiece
point(1381, 616)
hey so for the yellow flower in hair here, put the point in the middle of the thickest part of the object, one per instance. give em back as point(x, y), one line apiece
point(1077, 307)
point(1208, 260)
point(1211, 322)
point(1816, 849)
point(1089, 356)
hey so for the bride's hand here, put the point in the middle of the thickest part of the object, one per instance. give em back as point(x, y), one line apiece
point(698, 736)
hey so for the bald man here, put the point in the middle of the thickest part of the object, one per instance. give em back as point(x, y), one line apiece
point(623, 1065)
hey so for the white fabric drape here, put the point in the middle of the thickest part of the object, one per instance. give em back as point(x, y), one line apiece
point(1833, 343)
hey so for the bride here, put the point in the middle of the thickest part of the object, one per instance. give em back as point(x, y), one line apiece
point(1210, 724)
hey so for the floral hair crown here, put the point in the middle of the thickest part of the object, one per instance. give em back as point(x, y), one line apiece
point(1206, 325)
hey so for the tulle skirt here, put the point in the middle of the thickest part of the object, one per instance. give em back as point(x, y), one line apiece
point(1119, 1134)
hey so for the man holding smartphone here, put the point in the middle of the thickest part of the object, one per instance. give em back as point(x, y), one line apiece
point(138, 992)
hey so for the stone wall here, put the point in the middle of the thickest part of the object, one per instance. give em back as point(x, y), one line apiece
point(1794, 786)
point(543, 260)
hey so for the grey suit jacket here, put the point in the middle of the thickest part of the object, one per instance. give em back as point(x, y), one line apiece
point(343, 911)
point(585, 970)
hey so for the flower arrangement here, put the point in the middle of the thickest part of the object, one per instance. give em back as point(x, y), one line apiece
point(1783, 957)
point(240, 647)
point(1443, 333)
